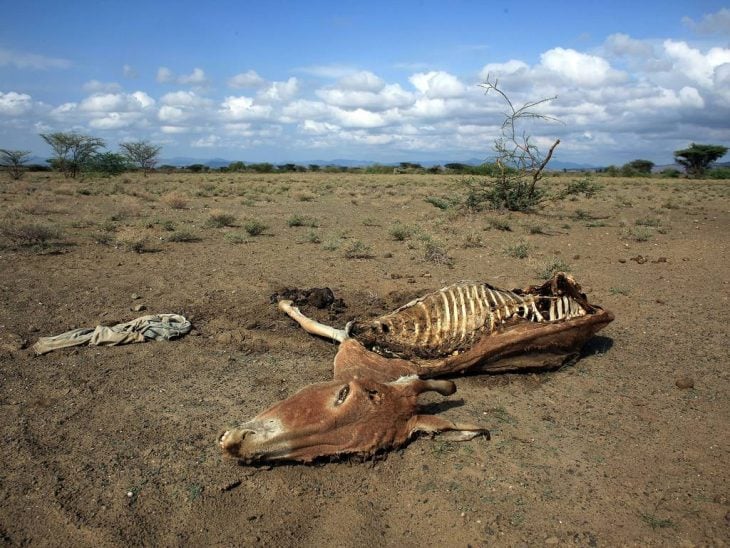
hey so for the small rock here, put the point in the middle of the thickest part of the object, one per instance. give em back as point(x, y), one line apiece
point(684, 382)
point(139, 308)
point(135, 297)
point(576, 257)
point(660, 260)
point(640, 259)
point(388, 255)
point(551, 540)
point(622, 261)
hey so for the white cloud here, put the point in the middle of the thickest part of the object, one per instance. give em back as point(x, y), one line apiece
point(502, 69)
point(169, 114)
point(243, 108)
point(129, 72)
point(15, 104)
point(579, 68)
point(712, 23)
point(195, 78)
point(359, 117)
point(165, 75)
point(279, 91)
point(95, 86)
point(327, 71)
point(248, 79)
point(24, 60)
point(696, 65)
point(115, 120)
point(361, 81)
point(437, 84)
point(622, 44)
point(388, 96)
point(184, 99)
point(208, 141)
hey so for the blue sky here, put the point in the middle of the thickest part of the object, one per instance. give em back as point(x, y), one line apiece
point(384, 81)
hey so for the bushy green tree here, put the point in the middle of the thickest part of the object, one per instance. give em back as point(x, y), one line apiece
point(72, 150)
point(107, 163)
point(637, 167)
point(14, 161)
point(697, 158)
point(141, 153)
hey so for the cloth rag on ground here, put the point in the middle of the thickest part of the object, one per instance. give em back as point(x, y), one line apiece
point(158, 327)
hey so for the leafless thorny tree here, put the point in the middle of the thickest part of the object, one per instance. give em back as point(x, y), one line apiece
point(519, 162)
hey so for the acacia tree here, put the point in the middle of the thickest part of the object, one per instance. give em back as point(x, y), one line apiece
point(638, 166)
point(697, 158)
point(142, 153)
point(13, 161)
point(72, 150)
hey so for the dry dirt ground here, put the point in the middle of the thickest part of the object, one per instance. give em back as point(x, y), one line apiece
point(117, 445)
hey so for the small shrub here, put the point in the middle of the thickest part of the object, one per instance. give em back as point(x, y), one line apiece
point(305, 196)
point(31, 234)
point(254, 227)
point(135, 242)
point(585, 186)
point(435, 201)
point(167, 225)
point(548, 269)
point(183, 236)
point(220, 220)
point(235, 238)
point(648, 221)
point(301, 220)
point(175, 201)
point(358, 250)
point(313, 238)
point(332, 244)
point(435, 253)
point(472, 239)
point(400, 232)
point(499, 224)
point(582, 215)
point(638, 234)
point(518, 251)
point(370, 222)
point(536, 229)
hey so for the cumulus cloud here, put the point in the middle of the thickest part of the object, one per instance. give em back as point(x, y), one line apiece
point(15, 104)
point(248, 79)
point(580, 68)
point(363, 80)
point(437, 84)
point(195, 78)
point(243, 108)
point(693, 63)
point(622, 44)
point(24, 60)
point(712, 23)
point(279, 91)
point(95, 86)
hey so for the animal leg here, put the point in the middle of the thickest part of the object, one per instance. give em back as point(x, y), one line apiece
point(312, 326)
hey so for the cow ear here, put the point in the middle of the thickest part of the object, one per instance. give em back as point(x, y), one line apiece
point(447, 430)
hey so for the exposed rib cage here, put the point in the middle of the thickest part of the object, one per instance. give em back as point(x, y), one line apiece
point(455, 317)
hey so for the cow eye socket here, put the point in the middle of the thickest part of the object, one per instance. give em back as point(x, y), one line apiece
point(342, 395)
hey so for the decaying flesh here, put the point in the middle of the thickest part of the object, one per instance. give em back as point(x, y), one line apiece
point(382, 366)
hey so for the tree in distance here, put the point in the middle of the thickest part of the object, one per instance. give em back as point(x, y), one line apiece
point(13, 161)
point(697, 158)
point(142, 153)
point(72, 150)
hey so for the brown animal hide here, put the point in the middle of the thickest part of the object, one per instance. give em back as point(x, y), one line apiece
point(381, 365)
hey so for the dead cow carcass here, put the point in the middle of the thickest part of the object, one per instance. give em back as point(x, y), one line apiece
point(383, 364)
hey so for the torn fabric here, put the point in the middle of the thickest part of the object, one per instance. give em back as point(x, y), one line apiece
point(158, 327)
